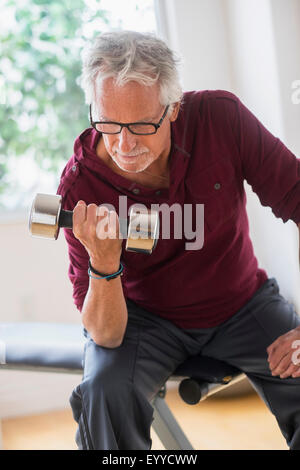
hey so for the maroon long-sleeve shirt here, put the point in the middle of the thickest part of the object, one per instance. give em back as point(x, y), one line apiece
point(217, 143)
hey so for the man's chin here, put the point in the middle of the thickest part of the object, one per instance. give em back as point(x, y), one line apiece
point(131, 166)
point(131, 169)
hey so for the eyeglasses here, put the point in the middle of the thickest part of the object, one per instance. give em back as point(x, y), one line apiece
point(138, 128)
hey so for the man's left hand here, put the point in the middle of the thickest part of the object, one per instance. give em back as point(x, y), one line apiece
point(284, 355)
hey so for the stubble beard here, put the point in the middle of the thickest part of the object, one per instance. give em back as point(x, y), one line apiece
point(138, 167)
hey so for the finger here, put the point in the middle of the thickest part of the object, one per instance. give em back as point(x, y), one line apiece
point(289, 371)
point(271, 347)
point(102, 227)
point(91, 215)
point(296, 353)
point(282, 366)
point(275, 358)
point(102, 211)
point(277, 343)
point(113, 225)
point(271, 351)
point(297, 372)
point(278, 354)
point(79, 215)
point(80, 206)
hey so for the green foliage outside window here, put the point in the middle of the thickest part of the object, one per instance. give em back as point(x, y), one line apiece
point(42, 107)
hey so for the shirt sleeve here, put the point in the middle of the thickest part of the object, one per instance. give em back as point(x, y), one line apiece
point(271, 169)
point(78, 268)
point(78, 256)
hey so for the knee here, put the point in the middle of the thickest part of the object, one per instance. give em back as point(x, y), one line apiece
point(105, 378)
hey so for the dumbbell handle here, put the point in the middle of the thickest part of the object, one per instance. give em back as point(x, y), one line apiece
point(65, 219)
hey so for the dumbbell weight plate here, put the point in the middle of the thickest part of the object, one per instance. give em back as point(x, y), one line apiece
point(143, 230)
point(44, 216)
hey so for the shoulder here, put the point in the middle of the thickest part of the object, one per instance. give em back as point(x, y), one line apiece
point(72, 170)
point(213, 108)
point(209, 98)
point(208, 95)
point(208, 104)
point(217, 95)
point(67, 181)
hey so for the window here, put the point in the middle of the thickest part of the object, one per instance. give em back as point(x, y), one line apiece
point(40, 61)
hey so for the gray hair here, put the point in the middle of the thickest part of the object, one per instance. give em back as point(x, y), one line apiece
point(129, 55)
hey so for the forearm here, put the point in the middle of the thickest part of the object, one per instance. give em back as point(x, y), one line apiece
point(104, 312)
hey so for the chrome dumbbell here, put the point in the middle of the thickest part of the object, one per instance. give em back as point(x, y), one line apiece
point(141, 229)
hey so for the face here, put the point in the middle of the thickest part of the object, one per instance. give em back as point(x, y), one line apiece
point(134, 102)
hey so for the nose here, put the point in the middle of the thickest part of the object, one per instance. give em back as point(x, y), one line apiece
point(126, 141)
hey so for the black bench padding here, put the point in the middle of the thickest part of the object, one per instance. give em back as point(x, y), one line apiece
point(206, 369)
point(30, 345)
point(53, 345)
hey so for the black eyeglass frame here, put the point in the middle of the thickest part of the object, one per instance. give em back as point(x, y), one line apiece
point(156, 126)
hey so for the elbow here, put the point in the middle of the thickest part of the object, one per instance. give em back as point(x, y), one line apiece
point(110, 343)
point(100, 338)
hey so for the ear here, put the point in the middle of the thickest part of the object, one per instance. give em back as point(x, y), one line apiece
point(175, 111)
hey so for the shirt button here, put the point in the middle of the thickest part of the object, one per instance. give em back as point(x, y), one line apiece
point(136, 191)
point(217, 186)
point(74, 168)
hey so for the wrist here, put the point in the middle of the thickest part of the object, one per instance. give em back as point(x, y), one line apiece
point(104, 267)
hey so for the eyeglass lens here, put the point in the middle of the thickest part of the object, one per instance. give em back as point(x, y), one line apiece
point(107, 128)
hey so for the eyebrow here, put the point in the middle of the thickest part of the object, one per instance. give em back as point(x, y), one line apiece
point(146, 119)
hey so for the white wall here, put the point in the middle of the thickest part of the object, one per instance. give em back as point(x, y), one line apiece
point(33, 278)
point(34, 287)
point(196, 30)
point(255, 28)
point(251, 48)
point(286, 21)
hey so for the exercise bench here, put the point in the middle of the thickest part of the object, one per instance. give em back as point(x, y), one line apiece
point(58, 347)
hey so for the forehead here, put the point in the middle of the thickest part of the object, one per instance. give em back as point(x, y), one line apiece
point(130, 102)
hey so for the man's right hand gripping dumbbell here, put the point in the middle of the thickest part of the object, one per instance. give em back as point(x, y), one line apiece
point(97, 228)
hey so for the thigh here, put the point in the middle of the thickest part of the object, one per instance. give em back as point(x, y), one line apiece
point(243, 339)
point(152, 348)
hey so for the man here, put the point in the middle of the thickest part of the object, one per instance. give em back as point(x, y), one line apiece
point(144, 315)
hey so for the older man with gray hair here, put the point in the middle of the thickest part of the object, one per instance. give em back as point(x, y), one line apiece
point(144, 315)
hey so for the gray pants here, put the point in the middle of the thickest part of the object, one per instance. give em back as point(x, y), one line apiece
point(111, 405)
